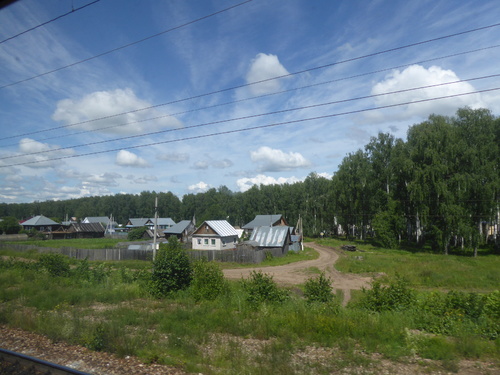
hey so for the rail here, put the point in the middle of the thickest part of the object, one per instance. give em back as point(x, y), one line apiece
point(17, 363)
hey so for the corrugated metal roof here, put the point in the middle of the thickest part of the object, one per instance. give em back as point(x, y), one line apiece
point(221, 227)
point(262, 221)
point(96, 219)
point(178, 228)
point(270, 236)
point(39, 220)
point(87, 227)
point(164, 221)
point(137, 222)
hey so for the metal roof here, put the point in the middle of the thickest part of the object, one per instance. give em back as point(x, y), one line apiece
point(87, 227)
point(263, 221)
point(221, 227)
point(270, 236)
point(39, 221)
point(137, 222)
point(179, 227)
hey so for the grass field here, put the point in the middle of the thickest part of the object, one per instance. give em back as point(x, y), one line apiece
point(107, 307)
point(423, 269)
point(86, 243)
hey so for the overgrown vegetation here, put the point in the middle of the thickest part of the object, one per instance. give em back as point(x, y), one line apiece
point(251, 326)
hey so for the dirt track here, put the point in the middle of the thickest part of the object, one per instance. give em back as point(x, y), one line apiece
point(297, 273)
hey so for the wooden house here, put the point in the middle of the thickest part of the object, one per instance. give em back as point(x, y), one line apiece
point(215, 235)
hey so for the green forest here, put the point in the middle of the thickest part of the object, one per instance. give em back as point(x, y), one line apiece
point(439, 188)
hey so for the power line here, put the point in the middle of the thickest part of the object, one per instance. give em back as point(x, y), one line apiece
point(252, 128)
point(124, 46)
point(231, 102)
point(49, 21)
point(250, 116)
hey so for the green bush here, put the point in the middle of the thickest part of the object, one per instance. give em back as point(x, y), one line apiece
point(208, 280)
point(394, 297)
point(318, 289)
point(55, 264)
point(261, 287)
point(492, 305)
point(10, 225)
point(171, 269)
point(136, 233)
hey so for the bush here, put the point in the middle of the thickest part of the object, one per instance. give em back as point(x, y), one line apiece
point(55, 264)
point(394, 297)
point(10, 225)
point(136, 233)
point(171, 269)
point(262, 288)
point(208, 280)
point(318, 289)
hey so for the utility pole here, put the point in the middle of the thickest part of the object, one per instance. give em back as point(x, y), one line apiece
point(155, 229)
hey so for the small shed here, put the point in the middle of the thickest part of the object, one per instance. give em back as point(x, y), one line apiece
point(215, 235)
point(276, 239)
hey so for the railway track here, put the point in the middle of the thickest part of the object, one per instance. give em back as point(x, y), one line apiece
point(13, 363)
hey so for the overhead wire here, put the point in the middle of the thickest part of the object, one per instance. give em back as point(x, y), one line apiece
point(124, 46)
point(220, 104)
point(251, 128)
point(50, 21)
point(249, 116)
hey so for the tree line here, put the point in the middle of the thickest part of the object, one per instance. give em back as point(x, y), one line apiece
point(440, 187)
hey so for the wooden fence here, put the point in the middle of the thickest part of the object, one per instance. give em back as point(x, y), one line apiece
point(243, 254)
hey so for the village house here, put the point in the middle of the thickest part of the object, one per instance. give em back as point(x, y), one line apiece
point(215, 235)
point(182, 230)
point(276, 239)
point(264, 221)
point(40, 223)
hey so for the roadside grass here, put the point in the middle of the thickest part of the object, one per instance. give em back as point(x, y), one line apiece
point(291, 257)
point(423, 269)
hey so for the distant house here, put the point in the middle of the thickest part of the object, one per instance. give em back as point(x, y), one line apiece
point(40, 223)
point(215, 235)
point(79, 230)
point(98, 219)
point(182, 230)
point(162, 223)
point(273, 238)
point(265, 221)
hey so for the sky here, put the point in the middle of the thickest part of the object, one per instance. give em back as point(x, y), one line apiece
point(183, 96)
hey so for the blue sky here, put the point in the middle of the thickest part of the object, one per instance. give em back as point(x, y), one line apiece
point(164, 114)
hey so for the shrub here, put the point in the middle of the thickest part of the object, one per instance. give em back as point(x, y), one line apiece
point(318, 289)
point(55, 264)
point(261, 287)
point(171, 269)
point(492, 305)
point(10, 225)
point(136, 234)
point(208, 280)
point(396, 296)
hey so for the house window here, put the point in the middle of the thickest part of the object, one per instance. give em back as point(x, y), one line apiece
point(199, 241)
point(206, 241)
point(213, 242)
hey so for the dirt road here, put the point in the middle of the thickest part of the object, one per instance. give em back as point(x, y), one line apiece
point(299, 272)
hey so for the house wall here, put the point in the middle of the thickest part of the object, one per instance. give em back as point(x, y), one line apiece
point(206, 242)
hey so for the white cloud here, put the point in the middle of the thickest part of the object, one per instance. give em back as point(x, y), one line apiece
point(126, 158)
point(265, 67)
point(273, 160)
point(105, 105)
point(200, 187)
point(417, 76)
point(143, 180)
point(246, 183)
point(104, 179)
point(36, 154)
point(176, 157)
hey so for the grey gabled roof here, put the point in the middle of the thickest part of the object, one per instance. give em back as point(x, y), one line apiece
point(178, 228)
point(39, 220)
point(263, 221)
point(96, 219)
point(270, 236)
point(87, 228)
point(137, 222)
point(162, 221)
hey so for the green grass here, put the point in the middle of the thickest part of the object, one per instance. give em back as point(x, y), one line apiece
point(85, 243)
point(231, 335)
point(290, 257)
point(423, 269)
